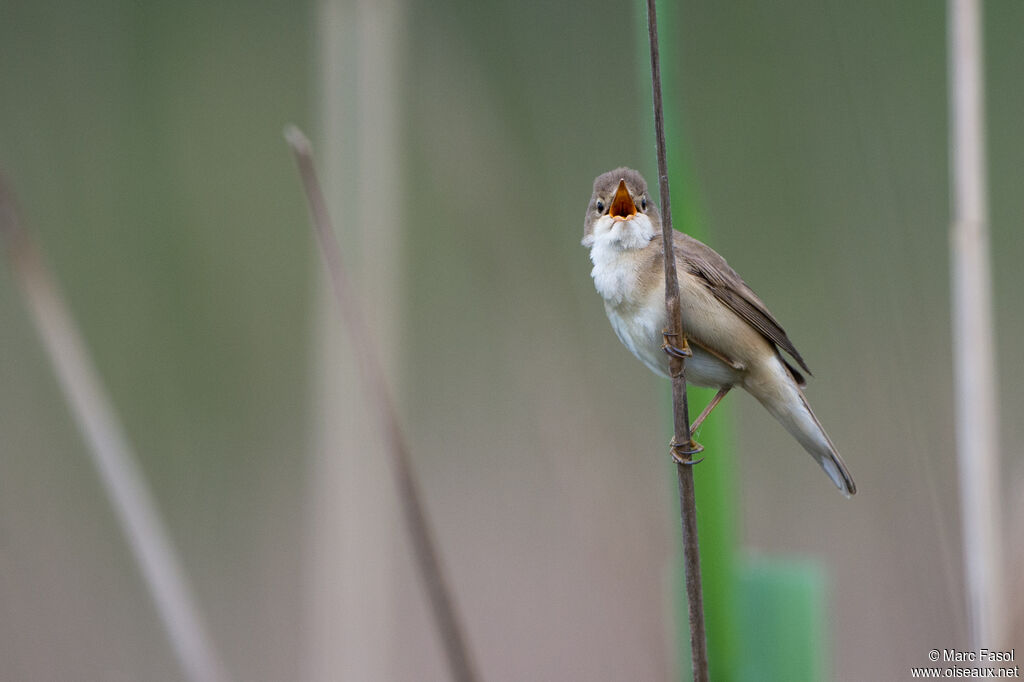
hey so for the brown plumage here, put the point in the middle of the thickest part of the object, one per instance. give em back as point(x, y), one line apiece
point(735, 340)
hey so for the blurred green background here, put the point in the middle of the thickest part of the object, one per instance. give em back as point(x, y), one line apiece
point(460, 141)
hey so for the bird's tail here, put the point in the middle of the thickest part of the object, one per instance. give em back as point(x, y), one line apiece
point(795, 414)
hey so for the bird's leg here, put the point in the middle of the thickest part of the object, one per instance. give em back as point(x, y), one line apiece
point(710, 351)
point(707, 410)
point(683, 453)
point(670, 348)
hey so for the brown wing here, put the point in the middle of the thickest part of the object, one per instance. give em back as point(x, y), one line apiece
point(729, 288)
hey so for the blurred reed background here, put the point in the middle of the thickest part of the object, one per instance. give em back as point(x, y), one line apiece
point(144, 141)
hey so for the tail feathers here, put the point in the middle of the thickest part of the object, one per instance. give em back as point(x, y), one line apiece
point(795, 414)
point(814, 439)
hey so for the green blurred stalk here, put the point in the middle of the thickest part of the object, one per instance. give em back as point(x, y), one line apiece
point(765, 619)
point(782, 624)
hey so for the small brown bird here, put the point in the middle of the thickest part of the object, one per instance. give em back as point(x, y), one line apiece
point(733, 338)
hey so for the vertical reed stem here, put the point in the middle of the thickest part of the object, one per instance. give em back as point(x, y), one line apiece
point(677, 367)
point(977, 408)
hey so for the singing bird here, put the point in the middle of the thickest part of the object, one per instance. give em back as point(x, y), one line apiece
point(733, 338)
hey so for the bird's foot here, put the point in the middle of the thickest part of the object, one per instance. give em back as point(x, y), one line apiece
point(682, 453)
point(671, 349)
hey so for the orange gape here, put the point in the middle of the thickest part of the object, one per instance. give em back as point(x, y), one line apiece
point(622, 205)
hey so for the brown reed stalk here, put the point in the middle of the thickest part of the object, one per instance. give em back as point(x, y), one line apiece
point(684, 446)
point(460, 663)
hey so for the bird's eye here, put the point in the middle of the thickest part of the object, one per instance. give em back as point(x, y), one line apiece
point(643, 203)
point(600, 206)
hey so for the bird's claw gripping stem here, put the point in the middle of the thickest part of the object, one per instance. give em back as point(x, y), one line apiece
point(682, 453)
point(671, 349)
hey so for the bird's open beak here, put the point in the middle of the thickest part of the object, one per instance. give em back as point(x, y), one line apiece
point(622, 206)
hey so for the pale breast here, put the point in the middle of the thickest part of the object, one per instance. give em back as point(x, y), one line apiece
point(634, 298)
point(636, 310)
point(639, 330)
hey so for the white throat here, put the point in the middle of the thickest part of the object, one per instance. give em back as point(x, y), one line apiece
point(615, 247)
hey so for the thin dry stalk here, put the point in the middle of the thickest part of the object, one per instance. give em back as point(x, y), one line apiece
point(443, 607)
point(94, 414)
point(677, 367)
point(977, 408)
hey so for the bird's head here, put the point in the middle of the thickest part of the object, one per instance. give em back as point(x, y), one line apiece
point(620, 212)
